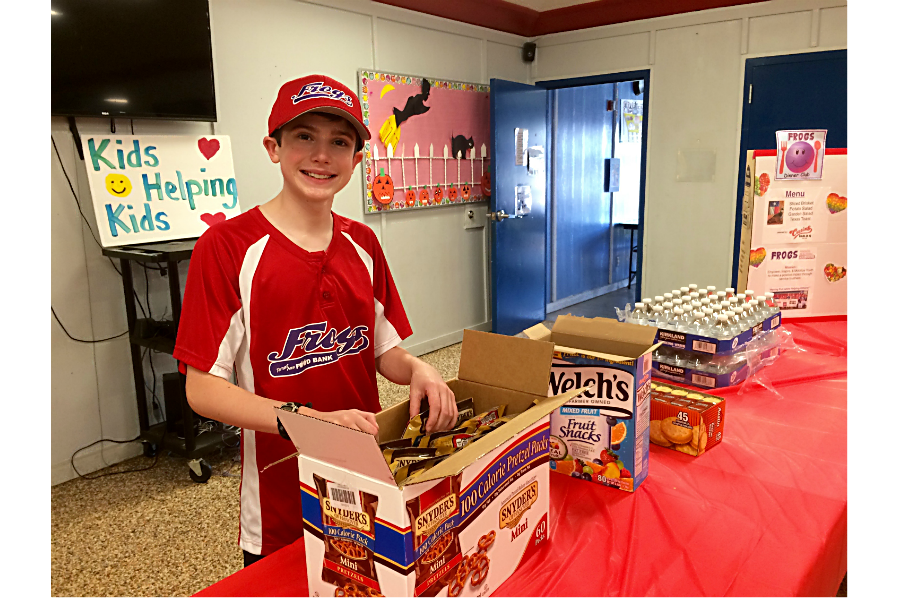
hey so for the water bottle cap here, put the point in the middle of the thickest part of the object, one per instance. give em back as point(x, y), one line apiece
point(695, 295)
point(638, 305)
point(711, 288)
point(685, 290)
point(723, 317)
point(693, 286)
point(717, 307)
point(702, 291)
point(754, 302)
point(648, 301)
point(770, 295)
point(708, 311)
point(748, 292)
point(659, 299)
point(705, 301)
point(731, 290)
point(696, 304)
point(657, 308)
point(741, 296)
point(761, 299)
point(729, 313)
point(679, 311)
point(667, 305)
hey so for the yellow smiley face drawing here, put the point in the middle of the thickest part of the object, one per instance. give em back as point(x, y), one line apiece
point(118, 185)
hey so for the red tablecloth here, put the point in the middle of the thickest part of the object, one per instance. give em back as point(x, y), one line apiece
point(762, 514)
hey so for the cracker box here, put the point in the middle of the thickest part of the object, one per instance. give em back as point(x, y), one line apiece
point(601, 434)
point(686, 420)
point(458, 529)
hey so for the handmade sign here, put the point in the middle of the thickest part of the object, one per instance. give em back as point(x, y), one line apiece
point(154, 188)
point(800, 154)
point(429, 143)
point(799, 236)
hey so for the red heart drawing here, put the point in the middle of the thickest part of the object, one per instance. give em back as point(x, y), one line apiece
point(208, 148)
point(211, 220)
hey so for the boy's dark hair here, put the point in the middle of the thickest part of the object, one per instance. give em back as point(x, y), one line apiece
point(359, 143)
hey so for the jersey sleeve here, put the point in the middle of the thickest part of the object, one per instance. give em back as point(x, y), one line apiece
point(391, 323)
point(211, 327)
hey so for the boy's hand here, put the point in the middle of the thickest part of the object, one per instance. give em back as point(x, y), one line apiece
point(426, 382)
point(354, 419)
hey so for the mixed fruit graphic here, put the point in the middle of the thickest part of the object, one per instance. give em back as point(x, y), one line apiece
point(609, 467)
point(836, 203)
point(834, 273)
point(761, 185)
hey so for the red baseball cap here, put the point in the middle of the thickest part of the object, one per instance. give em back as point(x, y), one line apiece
point(317, 93)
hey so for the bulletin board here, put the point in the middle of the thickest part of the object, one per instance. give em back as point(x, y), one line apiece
point(798, 247)
point(152, 188)
point(430, 141)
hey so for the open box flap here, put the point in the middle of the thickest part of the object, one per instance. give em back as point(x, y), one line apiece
point(468, 455)
point(507, 362)
point(538, 332)
point(606, 336)
point(328, 442)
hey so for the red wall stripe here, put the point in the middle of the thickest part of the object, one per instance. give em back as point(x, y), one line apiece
point(520, 20)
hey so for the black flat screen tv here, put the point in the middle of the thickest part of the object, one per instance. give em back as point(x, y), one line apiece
point(132, 59)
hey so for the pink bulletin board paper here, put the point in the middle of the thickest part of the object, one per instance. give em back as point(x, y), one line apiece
point(454, 109)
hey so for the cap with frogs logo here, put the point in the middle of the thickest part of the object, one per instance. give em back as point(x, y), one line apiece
point(317, 93)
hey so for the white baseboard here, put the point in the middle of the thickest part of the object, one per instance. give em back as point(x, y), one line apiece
point(444, 340)
point(584, 296)
point(91, 460)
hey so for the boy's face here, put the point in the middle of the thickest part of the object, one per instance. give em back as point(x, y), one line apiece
point(317, 155)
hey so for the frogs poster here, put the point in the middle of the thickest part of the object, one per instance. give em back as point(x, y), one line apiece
point(800, 154)
point(430, 140)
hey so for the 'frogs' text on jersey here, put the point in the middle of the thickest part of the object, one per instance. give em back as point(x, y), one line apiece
point(321, 345)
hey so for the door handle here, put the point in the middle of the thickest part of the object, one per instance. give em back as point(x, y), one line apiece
point(497, 216)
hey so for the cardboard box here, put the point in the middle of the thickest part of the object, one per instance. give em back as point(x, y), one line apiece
point(414, 540)
point(686, 420)
point(601, 434)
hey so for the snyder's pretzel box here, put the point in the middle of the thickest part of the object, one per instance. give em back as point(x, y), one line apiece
point(459, 528)
point(686, 420)
point(601, 434)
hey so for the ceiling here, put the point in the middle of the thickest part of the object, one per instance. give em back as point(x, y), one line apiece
point(533, 18)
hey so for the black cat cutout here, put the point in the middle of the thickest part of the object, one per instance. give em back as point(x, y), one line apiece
point(460, 144)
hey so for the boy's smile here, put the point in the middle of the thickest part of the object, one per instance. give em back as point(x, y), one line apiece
point(317, 155)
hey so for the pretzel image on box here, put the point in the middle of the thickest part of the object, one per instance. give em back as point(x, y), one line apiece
point(348, 516)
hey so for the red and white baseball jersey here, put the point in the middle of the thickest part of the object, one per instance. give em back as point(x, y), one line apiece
point(293, 326)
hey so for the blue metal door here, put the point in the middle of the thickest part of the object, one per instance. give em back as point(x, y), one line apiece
point(518, 244)
point(797, 91)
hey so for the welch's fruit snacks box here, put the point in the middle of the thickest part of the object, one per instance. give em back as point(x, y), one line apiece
point(602, 435)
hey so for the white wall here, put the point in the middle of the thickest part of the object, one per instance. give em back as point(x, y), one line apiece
point(440, 268)
point(696, 63)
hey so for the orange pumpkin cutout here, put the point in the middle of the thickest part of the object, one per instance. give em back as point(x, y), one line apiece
point(423, 197)
point(410, 197)
point(452, 193)
point(486, 183)
point(383, 188)
point(466, 190)
point(438, 195)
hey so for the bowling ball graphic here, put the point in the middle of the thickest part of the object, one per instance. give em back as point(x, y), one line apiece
point(799, 157)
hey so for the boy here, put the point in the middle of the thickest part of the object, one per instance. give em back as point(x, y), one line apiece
point(300, 304)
